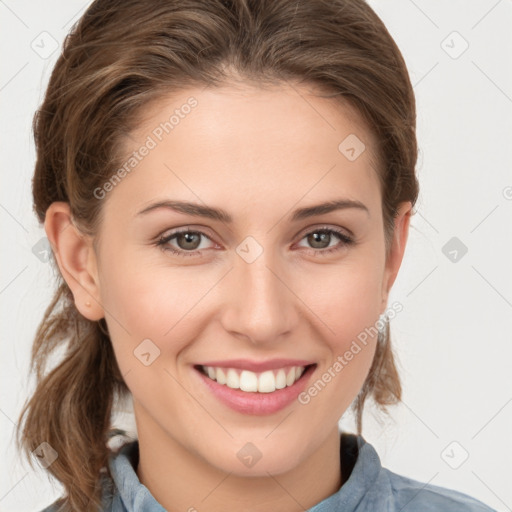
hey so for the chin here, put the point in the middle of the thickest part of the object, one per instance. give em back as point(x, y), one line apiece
point(256, 458)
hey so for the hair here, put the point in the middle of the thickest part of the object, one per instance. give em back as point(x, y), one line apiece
point(123, 55)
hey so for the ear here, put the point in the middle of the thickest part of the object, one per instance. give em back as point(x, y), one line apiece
point(396, 251)
point(74, 253)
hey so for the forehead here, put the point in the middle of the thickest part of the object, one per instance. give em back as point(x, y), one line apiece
point(244, 145)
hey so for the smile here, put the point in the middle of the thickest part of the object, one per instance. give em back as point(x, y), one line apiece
point(252, 382)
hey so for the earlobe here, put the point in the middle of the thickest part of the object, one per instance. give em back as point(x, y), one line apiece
point(397, 250)
point(76, 259)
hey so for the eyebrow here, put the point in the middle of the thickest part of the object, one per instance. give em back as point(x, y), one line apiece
point(221, 215)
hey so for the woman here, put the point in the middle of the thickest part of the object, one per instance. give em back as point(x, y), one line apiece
point(227, 188)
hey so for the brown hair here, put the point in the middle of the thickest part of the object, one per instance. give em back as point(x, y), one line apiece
point(120, 56)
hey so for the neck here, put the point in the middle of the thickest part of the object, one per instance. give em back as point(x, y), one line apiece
point(181, 480)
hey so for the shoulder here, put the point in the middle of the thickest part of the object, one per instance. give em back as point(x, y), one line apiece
point(54, 507)
point(109, 499)
point(370, 487)
point(121, 473)
point(409, 494)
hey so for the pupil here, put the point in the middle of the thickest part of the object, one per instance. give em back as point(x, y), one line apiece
point(189, 240)
point(319, 238)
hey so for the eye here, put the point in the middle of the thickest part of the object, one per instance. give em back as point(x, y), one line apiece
point(189, 241)
point(321, 238)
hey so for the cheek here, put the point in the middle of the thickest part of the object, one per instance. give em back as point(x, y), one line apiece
point(349, 316)
point(346, 298)
point(149, 302)
point(141, 296)
point(346, 302)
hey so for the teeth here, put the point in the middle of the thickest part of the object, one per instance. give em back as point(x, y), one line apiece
point(219, 376)
point(290, 377)
point(265, 382)
point(280, 379)
point(232, 379)
point(248, 381)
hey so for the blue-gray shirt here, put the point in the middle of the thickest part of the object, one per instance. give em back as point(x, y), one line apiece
point(369, 488)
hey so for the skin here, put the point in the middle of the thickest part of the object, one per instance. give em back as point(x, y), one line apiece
point(259, 154)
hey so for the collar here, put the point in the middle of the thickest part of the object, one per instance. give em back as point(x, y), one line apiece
point(358, 459)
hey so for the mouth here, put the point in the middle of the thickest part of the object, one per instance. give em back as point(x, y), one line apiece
point(248, 381)
point(255, 393)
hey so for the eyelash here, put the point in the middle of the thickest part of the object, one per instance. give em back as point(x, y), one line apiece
point(346, 241)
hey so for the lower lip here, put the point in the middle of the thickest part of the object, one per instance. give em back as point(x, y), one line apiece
point(253, 402)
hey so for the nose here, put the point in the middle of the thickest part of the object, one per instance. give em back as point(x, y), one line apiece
point(259, 302)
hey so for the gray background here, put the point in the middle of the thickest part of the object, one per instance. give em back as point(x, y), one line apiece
point(453, 337)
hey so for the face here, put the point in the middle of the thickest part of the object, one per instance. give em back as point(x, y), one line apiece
point(259, 288)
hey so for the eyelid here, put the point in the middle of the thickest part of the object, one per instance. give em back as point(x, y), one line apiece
point(319, 227)
point(205, 231)
point(168, 234)
point(345, 240)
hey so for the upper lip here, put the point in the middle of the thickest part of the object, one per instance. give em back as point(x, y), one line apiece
point(257, 366)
